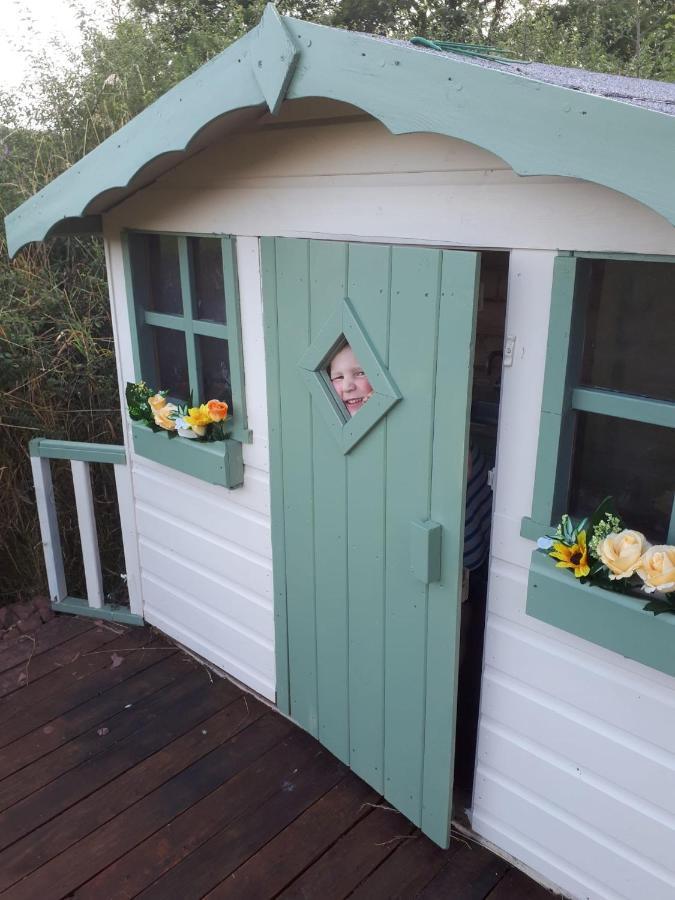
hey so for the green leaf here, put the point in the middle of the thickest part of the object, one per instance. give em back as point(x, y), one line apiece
point(137, 402)
point(659, 606)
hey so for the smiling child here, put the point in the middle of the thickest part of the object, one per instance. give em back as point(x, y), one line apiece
point(349, 380)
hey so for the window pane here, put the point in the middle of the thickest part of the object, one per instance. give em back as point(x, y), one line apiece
point(215, 370)
point(630, 328)
point(156, 272)
point(209, 287)
point(630, 461)
point(171, 362)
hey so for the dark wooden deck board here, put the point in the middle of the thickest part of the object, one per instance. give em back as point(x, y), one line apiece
point(38, 758)
point(24, 646)
point(406, 871)
point(114, 695)
point(30, 674)
point(72, 685)
point(282, 859)
point(308, 773)
point(148, 777)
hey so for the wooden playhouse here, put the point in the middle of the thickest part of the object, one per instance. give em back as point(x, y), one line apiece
point(495, 242)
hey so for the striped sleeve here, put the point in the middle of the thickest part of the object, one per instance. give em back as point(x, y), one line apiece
point(478, 513)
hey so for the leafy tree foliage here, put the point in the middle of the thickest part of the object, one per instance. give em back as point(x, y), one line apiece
point(625, 37)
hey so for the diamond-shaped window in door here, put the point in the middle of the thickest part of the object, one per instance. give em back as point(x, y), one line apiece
point(342, 346)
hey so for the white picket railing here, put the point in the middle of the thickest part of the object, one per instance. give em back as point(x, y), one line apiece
point(81, 455)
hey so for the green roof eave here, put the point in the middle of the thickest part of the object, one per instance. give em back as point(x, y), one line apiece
point(224, 84)
point(537, 128)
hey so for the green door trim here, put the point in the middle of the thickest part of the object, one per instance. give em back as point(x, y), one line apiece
point(278, 532)
point(535, 127)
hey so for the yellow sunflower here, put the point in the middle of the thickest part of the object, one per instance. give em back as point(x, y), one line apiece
point(574, 557)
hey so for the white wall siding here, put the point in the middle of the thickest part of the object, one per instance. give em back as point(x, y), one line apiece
point(205, 565)
point(576, 751)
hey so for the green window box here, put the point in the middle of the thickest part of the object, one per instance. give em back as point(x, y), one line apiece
point(617, 622)
point(217, 462)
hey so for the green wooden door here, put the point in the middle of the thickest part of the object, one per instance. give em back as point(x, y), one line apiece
point(366, 585)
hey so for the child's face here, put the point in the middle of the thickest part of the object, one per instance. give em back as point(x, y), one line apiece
point(349, 380)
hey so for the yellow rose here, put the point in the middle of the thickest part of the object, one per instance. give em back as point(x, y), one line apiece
point(162, 416)
point(156, 402)
point(657, 569)
point(198, 417)
point(622, 552)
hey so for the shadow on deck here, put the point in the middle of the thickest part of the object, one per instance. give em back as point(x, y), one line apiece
point(127, 769)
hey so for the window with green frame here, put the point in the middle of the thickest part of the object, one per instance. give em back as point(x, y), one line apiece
point(607, 429)
point(608, 409)
point(186, 337)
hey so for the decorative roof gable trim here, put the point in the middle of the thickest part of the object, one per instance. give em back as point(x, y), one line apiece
point(537, 128)
point(273, 58)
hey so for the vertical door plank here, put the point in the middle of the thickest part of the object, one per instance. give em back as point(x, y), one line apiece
point(457, 322)
point(86, 521)
point(412, 357)
point(368, 289)
point(268, 271)
point(292, 271)
point(49, 527)
point(328, 268)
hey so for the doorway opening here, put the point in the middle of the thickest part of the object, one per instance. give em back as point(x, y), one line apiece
point(487, 376)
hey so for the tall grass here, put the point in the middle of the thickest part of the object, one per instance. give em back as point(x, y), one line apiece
point(57, 379)
point(57, 359)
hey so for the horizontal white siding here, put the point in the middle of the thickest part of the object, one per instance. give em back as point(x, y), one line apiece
point(576, 753)
point(205, 557)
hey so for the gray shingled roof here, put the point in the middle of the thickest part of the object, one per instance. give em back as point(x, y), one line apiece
point(656, 95)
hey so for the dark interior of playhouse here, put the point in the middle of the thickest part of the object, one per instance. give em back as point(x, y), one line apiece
point(487, 375)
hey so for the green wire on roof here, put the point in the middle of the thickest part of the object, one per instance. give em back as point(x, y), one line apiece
point(482, 51)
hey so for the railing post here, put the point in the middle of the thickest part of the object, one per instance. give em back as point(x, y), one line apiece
point(86, 521)
point(49, 527)
point(125, 504)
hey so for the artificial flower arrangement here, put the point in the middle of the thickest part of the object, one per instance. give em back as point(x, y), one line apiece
point(600, 550)
point(206, 422)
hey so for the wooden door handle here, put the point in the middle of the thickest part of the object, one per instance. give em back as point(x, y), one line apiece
point(425, 550)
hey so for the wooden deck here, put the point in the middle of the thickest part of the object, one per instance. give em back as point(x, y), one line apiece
point(127, 769)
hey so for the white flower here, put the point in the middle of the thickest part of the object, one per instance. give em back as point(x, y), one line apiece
point(184, 429)
point(544, 543)
point(622, 552)
point(657, 569)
